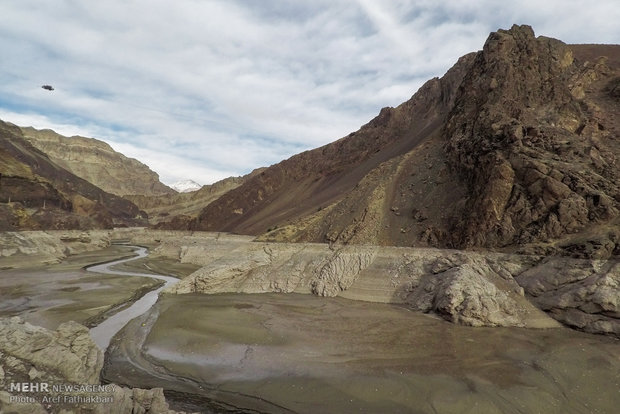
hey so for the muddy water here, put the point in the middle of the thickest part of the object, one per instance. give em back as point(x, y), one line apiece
point(103, 333)
point(300, 353)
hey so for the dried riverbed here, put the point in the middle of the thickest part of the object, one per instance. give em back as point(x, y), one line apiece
point(104, 331)
point(300, 353)
point(50, 295)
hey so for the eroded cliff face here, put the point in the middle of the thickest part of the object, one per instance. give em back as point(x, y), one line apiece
point(464, 287)
point(96, 162)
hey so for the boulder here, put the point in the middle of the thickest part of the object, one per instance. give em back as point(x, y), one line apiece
point(67, 357)
point(583, 294)
point(470, 291)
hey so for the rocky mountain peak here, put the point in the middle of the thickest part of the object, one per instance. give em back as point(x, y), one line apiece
point(515, 146)
point(186, 186)
point(535, 150)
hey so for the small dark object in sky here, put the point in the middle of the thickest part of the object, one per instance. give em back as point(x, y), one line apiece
point(48, 87)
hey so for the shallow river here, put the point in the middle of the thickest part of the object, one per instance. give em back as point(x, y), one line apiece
point(103, 333)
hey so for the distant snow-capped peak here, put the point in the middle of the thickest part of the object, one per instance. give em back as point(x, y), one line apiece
point(185, 186)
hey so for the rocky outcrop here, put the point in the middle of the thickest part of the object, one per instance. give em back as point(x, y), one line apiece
point(584, 294)
point(472, 291)
point(31, 248)
point(534, 138)
point(67, 354)
point(69, 358)
point(96, 162)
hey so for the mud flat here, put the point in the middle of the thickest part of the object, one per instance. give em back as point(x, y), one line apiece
point(266, 327)
point(301, 353)
point(50, 295)
point(43, 278)
point(54, 349)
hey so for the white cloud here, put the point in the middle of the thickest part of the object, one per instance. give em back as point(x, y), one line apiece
point(171, 166)
point(43, 122)
point(201, 89)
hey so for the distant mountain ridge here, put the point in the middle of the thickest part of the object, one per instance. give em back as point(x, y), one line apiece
point(186, 186)
point(96, 162)
point(516, 147)
point(184, 207)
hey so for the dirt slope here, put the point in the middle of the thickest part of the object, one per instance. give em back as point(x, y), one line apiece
point(310, 181)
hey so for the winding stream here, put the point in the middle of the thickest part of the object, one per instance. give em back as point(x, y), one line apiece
point(103, 333)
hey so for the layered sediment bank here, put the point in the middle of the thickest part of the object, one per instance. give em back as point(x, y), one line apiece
point(22, 249)
point(468, 287)
point(477, 288)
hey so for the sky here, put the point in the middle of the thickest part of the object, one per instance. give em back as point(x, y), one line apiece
point(204, 90)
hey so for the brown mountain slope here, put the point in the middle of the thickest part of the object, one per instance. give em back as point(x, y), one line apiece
point(35, 193)
point(312, 180)
point(516, 145)
point(96, 162)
